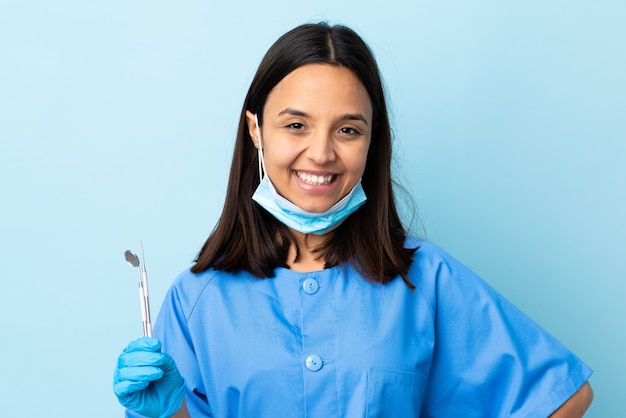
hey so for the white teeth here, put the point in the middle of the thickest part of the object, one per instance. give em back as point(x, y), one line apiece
point(313, 179)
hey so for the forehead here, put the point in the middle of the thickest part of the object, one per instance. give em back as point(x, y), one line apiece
point(321, 88)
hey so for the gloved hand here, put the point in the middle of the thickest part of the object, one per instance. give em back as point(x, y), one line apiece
point(147, 381)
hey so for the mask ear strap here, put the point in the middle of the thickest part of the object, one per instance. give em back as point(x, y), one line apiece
point(260, 150)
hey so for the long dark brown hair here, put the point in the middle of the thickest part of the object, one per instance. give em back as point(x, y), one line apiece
point(372, 239)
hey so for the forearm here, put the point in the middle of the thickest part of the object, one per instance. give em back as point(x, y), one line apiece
point(575, 406)
point(182, 412)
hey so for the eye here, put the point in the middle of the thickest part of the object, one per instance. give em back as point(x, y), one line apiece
point(295, 126)
point(349, 131)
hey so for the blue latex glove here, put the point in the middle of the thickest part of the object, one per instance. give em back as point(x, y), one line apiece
point(147, 381)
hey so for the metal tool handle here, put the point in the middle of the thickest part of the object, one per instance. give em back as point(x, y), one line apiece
point(145, 304)
point(143, 294)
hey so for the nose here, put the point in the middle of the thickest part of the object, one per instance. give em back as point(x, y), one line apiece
point(321, 148)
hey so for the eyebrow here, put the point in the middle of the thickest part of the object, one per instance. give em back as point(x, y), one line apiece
point(347, 116)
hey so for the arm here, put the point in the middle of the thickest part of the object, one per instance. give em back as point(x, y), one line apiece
point(182, 412)
point(575, 406)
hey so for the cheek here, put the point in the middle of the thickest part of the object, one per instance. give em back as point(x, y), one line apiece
point(358, 160)
point(276, 158)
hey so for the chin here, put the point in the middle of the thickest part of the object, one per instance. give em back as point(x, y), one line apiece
point(315, 208)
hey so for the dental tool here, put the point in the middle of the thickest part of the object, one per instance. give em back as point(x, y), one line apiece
point(133, 260)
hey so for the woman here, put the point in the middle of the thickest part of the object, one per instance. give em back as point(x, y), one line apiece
point(308, 299)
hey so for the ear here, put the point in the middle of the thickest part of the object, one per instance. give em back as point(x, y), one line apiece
point(251, 120)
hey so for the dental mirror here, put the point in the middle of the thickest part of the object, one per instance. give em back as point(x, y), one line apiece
point(131, 258)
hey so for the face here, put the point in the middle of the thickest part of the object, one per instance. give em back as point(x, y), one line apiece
point(316, 132)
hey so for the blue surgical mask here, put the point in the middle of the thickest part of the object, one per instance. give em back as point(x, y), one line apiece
point(295, 217)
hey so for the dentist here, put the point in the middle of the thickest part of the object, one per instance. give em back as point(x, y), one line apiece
point(309, 299)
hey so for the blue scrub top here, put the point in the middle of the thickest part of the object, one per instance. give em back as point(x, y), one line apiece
point(330, 344)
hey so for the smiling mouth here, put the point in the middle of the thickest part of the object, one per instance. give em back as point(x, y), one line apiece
point(315, 180)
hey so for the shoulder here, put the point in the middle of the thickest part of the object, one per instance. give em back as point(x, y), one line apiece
point(432, 259)
point(188, 288)
point(189, 282)
point(442, 278)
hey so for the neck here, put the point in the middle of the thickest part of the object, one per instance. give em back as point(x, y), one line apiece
point(307, 260)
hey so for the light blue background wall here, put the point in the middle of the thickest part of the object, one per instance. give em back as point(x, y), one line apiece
point(117, 121)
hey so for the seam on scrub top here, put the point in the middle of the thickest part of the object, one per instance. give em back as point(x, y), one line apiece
point(428, 302)
point(195, 302)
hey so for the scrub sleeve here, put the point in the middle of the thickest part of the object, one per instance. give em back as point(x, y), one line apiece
point(489, 359)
